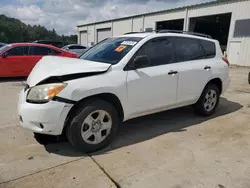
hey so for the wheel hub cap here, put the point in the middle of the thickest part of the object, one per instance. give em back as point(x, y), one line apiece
point(96, 126)
point(210, 100)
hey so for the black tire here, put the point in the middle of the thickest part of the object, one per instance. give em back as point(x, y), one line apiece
point(73, 131)
point(199, 107)
point(44, 139)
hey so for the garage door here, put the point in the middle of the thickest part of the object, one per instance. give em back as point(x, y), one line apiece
point(103, 34)
point(84, 39)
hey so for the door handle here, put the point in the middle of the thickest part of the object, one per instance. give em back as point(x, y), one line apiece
point(172, 72)
point(207, 67)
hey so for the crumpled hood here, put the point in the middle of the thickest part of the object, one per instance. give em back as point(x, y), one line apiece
point(50, 66)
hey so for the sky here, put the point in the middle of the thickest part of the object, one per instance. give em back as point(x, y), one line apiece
point(63, 15)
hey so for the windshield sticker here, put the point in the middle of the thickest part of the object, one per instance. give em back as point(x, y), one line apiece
point(129, 43)
point(120, 48)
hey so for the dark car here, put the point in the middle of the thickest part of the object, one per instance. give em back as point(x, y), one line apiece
point(57, 44)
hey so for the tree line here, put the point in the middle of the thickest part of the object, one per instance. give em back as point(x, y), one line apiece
point(13, 30)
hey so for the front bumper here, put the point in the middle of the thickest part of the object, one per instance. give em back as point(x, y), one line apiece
point(45, 118)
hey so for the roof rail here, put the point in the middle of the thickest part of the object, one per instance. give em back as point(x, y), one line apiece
point(184, 32)
point(133, 32)
point(172, 31)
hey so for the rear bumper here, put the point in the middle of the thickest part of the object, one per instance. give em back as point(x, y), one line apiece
point(46, 118)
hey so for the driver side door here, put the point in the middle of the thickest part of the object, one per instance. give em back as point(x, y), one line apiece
point(154, 87)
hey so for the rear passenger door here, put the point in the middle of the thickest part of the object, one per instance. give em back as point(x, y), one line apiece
point(36, 53)
point(194, 67)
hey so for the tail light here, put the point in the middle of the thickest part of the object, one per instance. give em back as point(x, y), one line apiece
point(225, 60)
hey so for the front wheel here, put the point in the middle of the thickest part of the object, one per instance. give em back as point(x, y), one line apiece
point(208, 101)
point(94, 126)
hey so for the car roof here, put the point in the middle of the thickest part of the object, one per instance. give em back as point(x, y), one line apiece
point(32, 44)
point(74, 45)
point(47, 41)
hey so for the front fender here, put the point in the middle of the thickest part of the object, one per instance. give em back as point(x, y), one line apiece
point(79, 94)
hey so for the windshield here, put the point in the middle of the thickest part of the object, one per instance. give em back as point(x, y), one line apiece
point(111, 50)
point(3, 48)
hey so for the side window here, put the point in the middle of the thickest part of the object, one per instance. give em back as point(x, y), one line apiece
point(18, 51)
point(55, 52)
point(159, 51)
point(188, 49)
point(209, 48)
point(77, 47)
point(38, 50)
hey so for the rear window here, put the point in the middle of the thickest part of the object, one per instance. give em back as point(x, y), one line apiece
point(209, 48)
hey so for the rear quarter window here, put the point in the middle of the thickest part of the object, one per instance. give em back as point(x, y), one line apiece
point(209, 48)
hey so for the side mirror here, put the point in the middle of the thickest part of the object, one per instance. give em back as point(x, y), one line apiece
point(5, 55)
point(141, 62)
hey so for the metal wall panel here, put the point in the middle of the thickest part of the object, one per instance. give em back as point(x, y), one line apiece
point(83, 38)
point(91, 35)
point(150, 20)
point(137, 24)
point(122, 26)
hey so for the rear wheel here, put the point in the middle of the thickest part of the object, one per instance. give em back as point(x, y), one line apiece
point(208, 101)
point(94, 126)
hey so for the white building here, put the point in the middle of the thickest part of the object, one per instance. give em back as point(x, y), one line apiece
point(225, 20)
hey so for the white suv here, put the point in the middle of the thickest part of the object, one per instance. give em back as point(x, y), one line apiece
point(119, 79)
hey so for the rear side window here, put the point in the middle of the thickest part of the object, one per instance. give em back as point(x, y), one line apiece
point(209, 48)
point(18, 51)
point(38, 50)
point(188, 49)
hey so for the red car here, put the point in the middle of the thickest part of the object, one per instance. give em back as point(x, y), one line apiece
point(18, 59)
